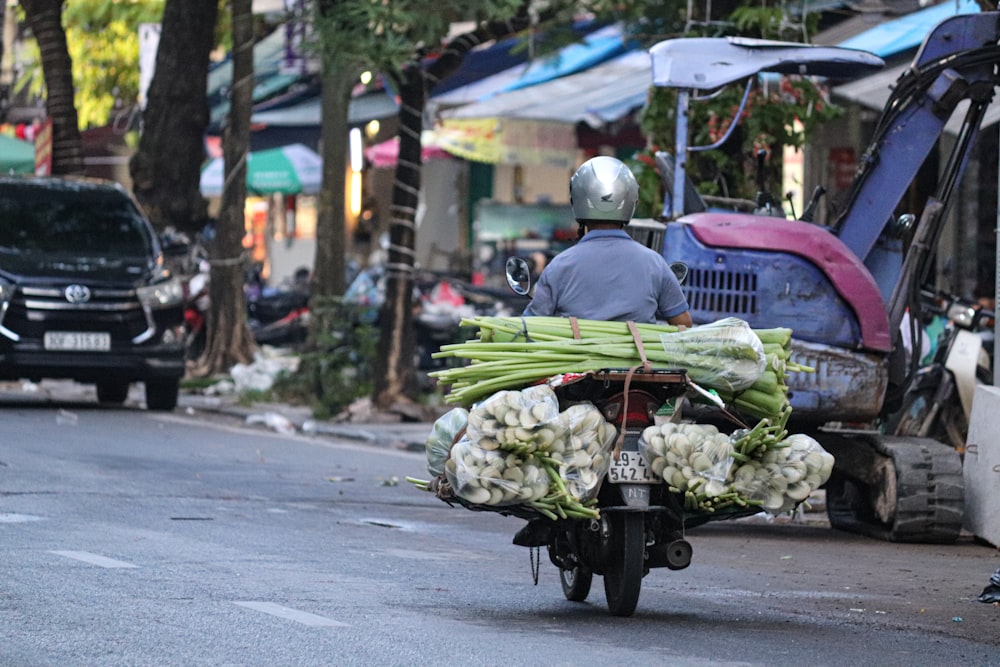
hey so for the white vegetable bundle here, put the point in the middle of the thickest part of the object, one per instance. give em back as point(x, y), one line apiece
point(687, 456)
point(525, 421)
point(518, 448)
point(584, 457)
point(762, 467)
point(493, 477)
point(785, 475)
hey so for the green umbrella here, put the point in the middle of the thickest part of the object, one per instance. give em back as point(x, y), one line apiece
point(290, 170)
point(16, 156)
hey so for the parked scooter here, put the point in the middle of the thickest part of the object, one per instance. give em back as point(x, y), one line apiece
point(196, 311)
point(642, 524)
point(938, 400)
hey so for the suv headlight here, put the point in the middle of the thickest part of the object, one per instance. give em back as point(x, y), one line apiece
point(161, 295)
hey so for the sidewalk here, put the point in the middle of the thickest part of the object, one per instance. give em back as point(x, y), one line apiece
point(285, 418)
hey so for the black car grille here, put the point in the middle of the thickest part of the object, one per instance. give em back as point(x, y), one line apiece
point(35, 310)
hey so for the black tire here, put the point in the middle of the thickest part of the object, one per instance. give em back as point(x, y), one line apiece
point(161, 395)
point(112, 391)
point(576, 583)
point(623, 574)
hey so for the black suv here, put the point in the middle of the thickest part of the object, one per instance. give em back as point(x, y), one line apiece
point(84, 293)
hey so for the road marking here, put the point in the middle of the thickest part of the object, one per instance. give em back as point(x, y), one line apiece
point(303, 617)
point(94, 559)
point(13, 517)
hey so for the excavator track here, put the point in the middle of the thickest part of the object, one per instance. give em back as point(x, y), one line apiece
point(915, 495)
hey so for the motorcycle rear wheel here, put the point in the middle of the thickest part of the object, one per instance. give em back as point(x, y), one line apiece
point(576, 583)
point(623, 574)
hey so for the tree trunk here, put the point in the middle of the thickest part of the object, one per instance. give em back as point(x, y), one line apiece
point(45, 19)
point(230, 340)
point(329, 266)
point(166, 169)
point(395, 375)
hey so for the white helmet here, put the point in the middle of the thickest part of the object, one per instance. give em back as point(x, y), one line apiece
point(603, 188)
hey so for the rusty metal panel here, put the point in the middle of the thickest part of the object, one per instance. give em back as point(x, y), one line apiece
point(846, 385)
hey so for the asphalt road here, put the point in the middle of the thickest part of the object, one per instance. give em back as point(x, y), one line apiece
point(136, 538)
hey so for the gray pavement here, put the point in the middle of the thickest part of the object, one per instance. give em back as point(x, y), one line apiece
point(381, 429)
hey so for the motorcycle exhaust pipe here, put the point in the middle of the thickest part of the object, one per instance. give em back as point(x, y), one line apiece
point(679, 554)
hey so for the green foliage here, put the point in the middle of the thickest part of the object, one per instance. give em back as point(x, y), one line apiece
point(386, 35)
point(338, 369)
point(103, 41)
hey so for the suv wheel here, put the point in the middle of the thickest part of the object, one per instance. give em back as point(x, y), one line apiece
point(162, 394)
point(112, 391)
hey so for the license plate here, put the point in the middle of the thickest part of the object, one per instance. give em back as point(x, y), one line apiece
point(81, 341)
point(630, 468)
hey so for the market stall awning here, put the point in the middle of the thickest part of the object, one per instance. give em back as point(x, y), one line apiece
point(598, 95)
point(370, 106)
point(504, 54)
point(509, 141)
point(873, 92)
point(907, 32)
point(597, 47)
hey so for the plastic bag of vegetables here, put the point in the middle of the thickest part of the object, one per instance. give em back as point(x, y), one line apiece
point(785, 475)
point(688, 456)
point(522, 421)
point(443, 435)
point(583, 453)
point(725, 354)
point(494, 477)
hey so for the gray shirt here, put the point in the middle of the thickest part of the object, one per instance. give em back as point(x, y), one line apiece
point(608, 276)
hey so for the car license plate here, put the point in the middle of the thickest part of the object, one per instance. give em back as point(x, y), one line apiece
point(80, 341)
point(630, 468)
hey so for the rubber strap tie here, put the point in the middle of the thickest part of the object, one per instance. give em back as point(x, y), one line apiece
point(621, 435)
point(637, 339)
point(574, 324)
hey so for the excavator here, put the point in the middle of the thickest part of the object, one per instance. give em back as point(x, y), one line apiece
point(843, 287)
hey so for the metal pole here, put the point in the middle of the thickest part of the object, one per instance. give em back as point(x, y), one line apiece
point(680, 155)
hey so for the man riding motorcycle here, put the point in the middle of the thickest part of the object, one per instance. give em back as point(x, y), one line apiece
point(607, 275)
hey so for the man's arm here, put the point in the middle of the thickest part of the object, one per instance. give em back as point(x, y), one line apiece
point(682, 320)
point(542, 304)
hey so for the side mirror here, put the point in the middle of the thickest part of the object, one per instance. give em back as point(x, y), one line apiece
point(680, 270)
point(518, 275)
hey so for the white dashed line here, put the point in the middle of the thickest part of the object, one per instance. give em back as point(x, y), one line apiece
point(13, 517)
point(94, 559)
point(303, 617)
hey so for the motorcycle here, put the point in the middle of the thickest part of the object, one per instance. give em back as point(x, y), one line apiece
point(642, 524)
point(938, 399)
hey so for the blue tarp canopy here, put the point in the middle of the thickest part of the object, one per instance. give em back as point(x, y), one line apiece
point(597, 47)
point(501, 55)
point(907, 32)
point(597, 95)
